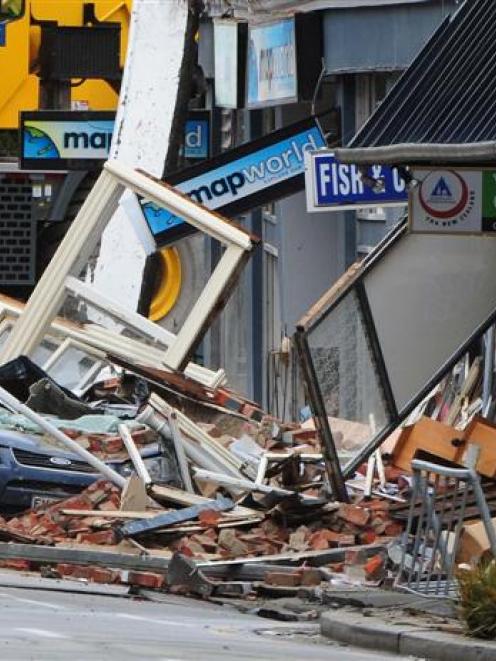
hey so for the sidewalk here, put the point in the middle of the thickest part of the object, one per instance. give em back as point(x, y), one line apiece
point(401, 623)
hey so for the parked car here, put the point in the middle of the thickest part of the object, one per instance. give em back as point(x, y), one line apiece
point(33, 472)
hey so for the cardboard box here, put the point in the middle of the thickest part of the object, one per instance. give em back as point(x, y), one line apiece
point(474, 543)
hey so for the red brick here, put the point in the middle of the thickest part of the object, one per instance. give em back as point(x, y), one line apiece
point(393, 529)
point(318, 540)
point(16, 563)
point(65, 570)
point(310, 576)
point(146, 579)
point(102, 575)
point(358, 516)
point(367, 537)
point(209, 517)
point(100, 537)
point(112, 444)
point(81, 502)
point(339, 538)
point(282, 579)
point(95, 445)
point(374, 567)
point(80, 571)
point(378, 504)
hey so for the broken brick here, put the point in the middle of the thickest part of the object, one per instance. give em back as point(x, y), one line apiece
point(16, 563)
point(209, 517)
point(358, 516)
point(100, 537)
point(393, 529)
point(318, 540)
point(103, 575)
point(228, 541)
point(145, 579)
point(112, 444)
point(374, 567)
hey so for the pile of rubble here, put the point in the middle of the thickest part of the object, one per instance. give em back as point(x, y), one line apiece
point(179, 483)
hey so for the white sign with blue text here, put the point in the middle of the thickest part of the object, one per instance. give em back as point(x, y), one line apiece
point(334, 186)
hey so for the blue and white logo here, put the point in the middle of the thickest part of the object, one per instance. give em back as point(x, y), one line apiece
point(241, 178)
point(331, 184)
point(196, 138)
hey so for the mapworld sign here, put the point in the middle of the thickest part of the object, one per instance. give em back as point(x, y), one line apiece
point(453, 201)
point(241, 179)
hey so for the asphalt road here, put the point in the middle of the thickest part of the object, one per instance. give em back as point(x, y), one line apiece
point(45, 624)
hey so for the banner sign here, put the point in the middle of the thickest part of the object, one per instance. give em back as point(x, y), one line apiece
point(334, 186)
point(453, 201)
point(197, 135)
point(272, 73)
point(73, 140)
point(65, 140)
point(240, 179)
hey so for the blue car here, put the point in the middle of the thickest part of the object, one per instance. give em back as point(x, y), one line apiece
point(34, 472)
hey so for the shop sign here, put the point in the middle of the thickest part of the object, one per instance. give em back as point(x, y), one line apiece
point(71, 140)
point(241, 179)
point(453, 201)
point(271, 69)
point(334, 186)
point(197, 135)
point(229, 63)
point(65, 140)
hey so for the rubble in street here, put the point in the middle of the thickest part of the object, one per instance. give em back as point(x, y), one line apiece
point(235, 503)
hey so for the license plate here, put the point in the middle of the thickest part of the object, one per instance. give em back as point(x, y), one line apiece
point(42, 501)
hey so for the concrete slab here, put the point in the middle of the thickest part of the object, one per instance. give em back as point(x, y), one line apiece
point(441, 646)
point(380, 598)
point(368, 632)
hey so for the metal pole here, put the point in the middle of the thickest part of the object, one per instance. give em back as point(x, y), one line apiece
point(134, 455)
point(487, 386)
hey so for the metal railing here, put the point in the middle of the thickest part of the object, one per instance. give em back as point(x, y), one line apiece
point(430, 543)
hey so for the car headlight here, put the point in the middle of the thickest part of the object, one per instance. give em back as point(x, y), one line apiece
point(154, 466)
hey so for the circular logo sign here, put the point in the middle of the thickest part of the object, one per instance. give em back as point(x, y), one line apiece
point(445, 196)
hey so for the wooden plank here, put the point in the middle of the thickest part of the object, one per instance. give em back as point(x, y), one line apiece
point(111, 514)
point(323, 557)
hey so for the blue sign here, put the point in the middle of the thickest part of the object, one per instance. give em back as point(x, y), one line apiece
point(241, 179)
point(197, 138)
point(271, 70)
point(330, 184)
point(2, 34)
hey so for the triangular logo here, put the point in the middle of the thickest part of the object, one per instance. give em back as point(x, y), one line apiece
point(441, 189)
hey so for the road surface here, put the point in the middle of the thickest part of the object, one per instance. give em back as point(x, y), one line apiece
point(41, 624)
